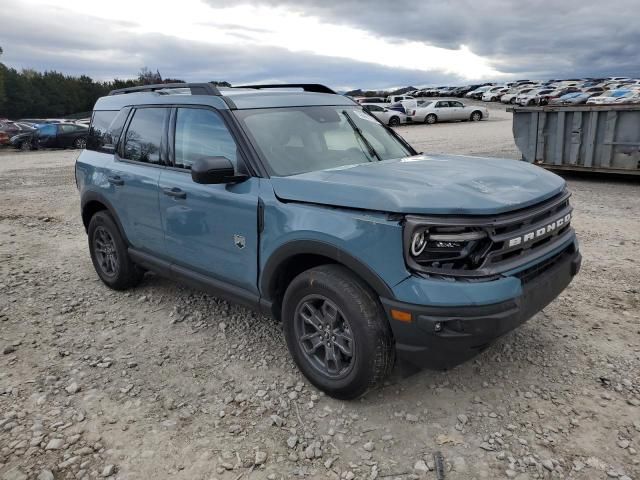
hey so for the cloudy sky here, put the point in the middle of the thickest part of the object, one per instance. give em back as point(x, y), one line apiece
point(342, 43)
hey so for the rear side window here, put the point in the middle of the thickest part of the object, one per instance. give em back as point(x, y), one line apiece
point(143, 140)
point(106, 127)
point(201, 133)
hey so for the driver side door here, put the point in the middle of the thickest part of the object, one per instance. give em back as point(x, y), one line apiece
point(210, 229)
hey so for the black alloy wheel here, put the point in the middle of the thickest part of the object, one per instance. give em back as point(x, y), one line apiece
point(325, 336)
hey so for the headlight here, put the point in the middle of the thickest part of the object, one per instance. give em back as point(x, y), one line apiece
point(440, 249)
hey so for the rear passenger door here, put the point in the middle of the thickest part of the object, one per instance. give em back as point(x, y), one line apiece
point(133, 178)
point(457, 110)
point(210, 229)
point(442, 111)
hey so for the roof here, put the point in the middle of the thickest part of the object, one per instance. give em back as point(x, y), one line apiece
point(258, 96)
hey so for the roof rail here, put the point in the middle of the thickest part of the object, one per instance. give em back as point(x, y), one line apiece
point(307, 87)
point(196, 88)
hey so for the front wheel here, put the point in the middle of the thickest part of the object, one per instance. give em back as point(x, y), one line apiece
point(394, 121)
point(337, 332)
point(80, 143)
point(25, 146)
point(430, 119)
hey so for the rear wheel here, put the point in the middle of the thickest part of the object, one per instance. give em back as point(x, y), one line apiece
point(394, 121)
point(25, 146)
point(430, 119)
point(337, 332)
point(109, 254)
point(80, 143)
point(476, 116)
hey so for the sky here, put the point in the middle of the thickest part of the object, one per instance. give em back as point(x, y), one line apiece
point(344, 44)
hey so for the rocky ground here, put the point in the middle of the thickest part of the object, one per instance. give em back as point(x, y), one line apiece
point(167, 382)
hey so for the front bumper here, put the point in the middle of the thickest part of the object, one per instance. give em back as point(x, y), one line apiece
point(442, 337)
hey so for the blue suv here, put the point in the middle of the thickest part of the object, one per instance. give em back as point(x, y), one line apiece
point(295, 201)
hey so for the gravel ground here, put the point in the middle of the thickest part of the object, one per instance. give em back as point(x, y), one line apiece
point(167, 382)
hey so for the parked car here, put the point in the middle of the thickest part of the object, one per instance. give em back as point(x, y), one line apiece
point(445, 111)
point(477, 93)
point(389, 117)
point(607, 97)
point(545, 98)
point(532, 97)
point(9, 129)
point(494, 94)
point(631, 97)
point(362, 101)
point(510, 96)
point(576, 98)
point(52, 135)
point(397, 98)
point(302, 206)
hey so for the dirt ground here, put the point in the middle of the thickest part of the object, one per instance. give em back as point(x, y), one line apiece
point(165, 382)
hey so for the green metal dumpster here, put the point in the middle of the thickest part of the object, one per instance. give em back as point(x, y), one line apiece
point(600, 138)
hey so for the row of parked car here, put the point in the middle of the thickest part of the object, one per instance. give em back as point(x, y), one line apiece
point(33, 134)
point(576, 91)
point(400, 109)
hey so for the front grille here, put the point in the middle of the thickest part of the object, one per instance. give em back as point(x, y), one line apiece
point(511, 240)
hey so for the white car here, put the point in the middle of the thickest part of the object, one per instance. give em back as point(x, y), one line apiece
point(631, 97)
point(607, 97)
point(393, 118)
point(532, 97)
point(494, 94)
point(510, 96)
point(445, 111)
point(397, 98)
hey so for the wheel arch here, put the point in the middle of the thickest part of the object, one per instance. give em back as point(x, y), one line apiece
point(292, 258)
point(92, 203)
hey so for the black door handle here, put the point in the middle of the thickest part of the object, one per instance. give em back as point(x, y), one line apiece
point(174, 192)
point(115, 180)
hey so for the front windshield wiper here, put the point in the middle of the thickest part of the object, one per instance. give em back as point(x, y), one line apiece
point(372, 151)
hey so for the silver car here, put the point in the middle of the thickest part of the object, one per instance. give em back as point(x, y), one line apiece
point(393, 118)
point(446, 111)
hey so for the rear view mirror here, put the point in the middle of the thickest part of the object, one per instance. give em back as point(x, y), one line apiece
point(214, 170)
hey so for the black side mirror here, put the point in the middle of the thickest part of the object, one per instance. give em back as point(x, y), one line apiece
point(214, 170)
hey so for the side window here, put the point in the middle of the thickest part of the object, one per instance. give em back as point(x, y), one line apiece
point(442, 104)
point(47, 131)
point(455, 104)
point(65, 128)
point(143, 139)
point(201, 133)
point(100, 122)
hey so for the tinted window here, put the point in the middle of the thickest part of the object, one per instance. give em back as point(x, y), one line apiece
point(67, 128)
point(456, 104)
point(201, 133)
point(442, 104)
point(106, 127)
point(374, 108)
point(47, 130)
point(143, 138)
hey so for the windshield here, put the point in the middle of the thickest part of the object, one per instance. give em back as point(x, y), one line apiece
point(306, 139)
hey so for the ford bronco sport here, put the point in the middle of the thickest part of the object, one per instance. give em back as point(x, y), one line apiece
point(295, 201)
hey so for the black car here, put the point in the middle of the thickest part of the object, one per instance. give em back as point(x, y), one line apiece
point(52, 135)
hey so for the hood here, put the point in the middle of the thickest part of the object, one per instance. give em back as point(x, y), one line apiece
point(425, 184)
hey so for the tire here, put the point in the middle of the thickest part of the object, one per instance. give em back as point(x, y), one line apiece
point(25, 146)
point(109, 254)
point(476, 116)
point(331, 294)
point(512, 101)
point(394, 121)
point(431, 119)
point(80, 143)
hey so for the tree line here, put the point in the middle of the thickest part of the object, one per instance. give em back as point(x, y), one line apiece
point(50, 94)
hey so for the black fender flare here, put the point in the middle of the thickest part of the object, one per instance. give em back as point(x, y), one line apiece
point(92, 196)
point(268, 277)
